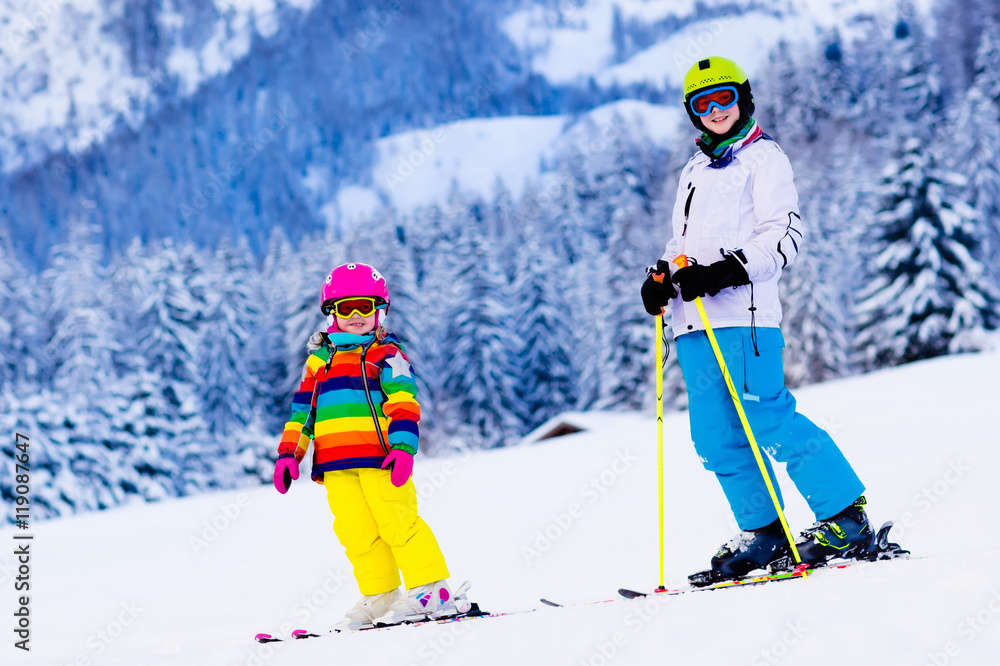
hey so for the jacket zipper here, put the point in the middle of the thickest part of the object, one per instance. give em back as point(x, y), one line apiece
point(687, 210)
point(371, 403)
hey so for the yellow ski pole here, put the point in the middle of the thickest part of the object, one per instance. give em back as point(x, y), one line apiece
point(658, 364)
point(682, 262)
point(659, 432)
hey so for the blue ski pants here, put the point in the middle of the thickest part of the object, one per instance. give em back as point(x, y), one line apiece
point(813, 461)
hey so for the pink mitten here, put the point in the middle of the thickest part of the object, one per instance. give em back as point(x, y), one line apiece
point(402, 466)
point(286, 470)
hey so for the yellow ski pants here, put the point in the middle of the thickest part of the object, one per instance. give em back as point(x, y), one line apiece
point(378, 526)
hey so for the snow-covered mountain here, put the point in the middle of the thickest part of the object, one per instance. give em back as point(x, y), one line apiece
point(72, 70)
point(422, 167)
point(572, 519)
point(173, 92)
point(655, 41)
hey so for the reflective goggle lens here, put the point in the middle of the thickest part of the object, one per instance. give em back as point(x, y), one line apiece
point(345, 307)
point(722, 98)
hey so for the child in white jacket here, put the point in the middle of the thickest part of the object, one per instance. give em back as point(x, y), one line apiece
point(736, 219)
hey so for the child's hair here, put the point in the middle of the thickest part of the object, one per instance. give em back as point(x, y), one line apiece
point(381, 333)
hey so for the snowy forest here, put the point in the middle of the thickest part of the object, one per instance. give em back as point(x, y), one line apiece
point(156, 365)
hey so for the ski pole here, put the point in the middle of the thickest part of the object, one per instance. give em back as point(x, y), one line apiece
point(682, 262)
point(659, 432)
point(658, 364)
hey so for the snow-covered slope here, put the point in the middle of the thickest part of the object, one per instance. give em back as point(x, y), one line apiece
point(419, 168)
point(191, 581)
point(576, 39)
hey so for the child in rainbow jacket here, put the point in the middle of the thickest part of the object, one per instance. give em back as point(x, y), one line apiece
point(357, 402)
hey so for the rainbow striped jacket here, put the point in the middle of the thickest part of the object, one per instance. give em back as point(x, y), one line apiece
point(332, 408)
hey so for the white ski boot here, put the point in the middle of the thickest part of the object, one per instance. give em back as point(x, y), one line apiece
point(432, 601)
point(367, 610)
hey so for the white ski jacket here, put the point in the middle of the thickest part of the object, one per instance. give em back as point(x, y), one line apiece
point(749, 209)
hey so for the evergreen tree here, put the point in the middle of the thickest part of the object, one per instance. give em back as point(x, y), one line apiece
point(817, 290)
point(547, 384)
point(481, 353)
point(785, 98)
point(267, 358)
point(927, 294)
point(509, 230)
point(167, 310)
point(871, 82)
point(917, 87)
point(957, 32)
point(379, 244)
point(79, 416)
point(977, 136)
point(22, 336)
point(624, 359)
point(86, 334)
point(225, 386)
point(305, 286)
point(817, 347)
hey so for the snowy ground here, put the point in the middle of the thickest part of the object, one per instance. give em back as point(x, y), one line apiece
point(191, 581)
point(420, 167)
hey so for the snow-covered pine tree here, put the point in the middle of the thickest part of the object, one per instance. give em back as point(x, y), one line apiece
point(623, 206)
point(167, 308)
point(225, 386)
point(428, 234)
point(926, 294)
point(976, 120)
point(380, 244)
point(266, 355)
point(787, 101)
point(816, 347)
point(916, 78)
point(85, 338)
point(803, 88)
point(871, 82)
point(21, 334)
point(509, 230)
point(478, 345)
point(83, 399)
point(311, 264)
point(548, 381)
point(560, 197)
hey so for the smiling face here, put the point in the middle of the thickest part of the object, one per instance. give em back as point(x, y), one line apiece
point(719, 121)
point(356, 323)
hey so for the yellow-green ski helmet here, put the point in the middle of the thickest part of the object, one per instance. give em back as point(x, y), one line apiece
point(715, 71)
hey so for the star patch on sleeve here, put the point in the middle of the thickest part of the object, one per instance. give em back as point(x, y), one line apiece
point(400, 366)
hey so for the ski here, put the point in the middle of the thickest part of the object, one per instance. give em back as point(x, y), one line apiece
point(555, 604)
point(736, 582)
point(474, 613)
point(783, 569)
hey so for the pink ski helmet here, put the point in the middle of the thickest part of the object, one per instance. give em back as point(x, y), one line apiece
point(354, 280)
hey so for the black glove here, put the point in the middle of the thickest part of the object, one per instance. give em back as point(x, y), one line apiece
point(656, 293)
point(697, 280)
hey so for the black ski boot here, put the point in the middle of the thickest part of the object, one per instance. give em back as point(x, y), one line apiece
point(847, 535)
point(747, 551)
